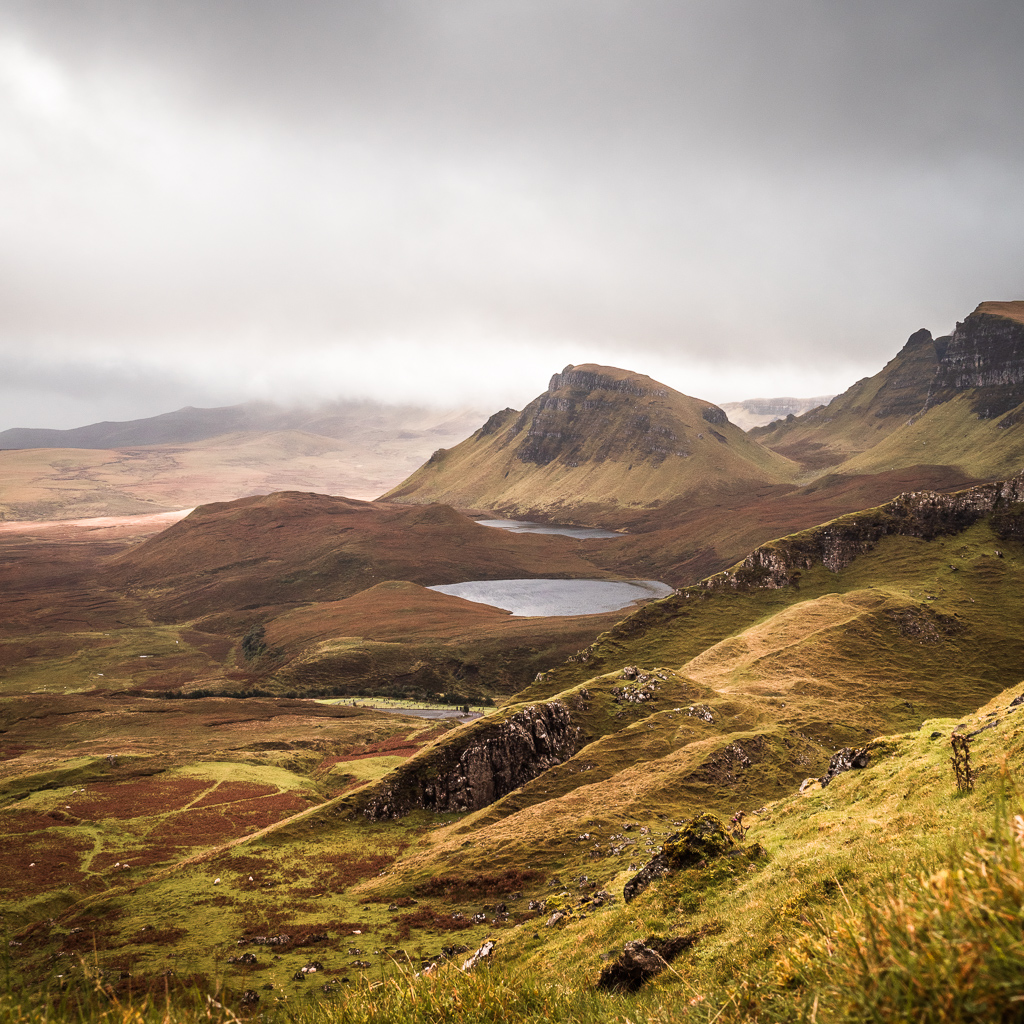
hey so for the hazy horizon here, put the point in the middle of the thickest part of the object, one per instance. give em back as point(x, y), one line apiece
point(204, 203)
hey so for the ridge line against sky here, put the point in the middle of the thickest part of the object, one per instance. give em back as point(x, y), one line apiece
point(207, 201)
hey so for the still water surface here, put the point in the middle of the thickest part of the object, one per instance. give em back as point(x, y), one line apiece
point(525, 526)
point(556, 597)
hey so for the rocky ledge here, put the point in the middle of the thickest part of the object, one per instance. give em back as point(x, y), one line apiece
point(925, 514)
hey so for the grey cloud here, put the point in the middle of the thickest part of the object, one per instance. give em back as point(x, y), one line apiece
point(666, 185)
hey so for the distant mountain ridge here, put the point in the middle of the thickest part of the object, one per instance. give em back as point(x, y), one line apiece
point(188, 425)
point(195, 456)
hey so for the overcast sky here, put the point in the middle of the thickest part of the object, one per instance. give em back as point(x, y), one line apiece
point(203, 201)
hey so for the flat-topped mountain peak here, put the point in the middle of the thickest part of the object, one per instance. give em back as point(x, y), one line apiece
point(598, 436)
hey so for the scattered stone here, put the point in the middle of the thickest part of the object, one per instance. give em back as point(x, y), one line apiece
point(250, 997)
point(265, 940)
point(935, 735)
point(701, 711)
point(245, 959)
point(700, 839)
point(640, 961)
point(807, 783)
point(555, 918)
point(843, 760)
point(481, 954)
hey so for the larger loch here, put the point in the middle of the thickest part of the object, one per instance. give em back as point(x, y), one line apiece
point(557, 597)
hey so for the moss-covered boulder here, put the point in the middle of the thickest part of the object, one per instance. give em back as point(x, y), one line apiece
point(701, 839)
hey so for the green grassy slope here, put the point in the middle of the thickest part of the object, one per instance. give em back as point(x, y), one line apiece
point(861, 416)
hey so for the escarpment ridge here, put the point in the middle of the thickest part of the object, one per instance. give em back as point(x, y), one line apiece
point(955, 401)
point(922, 514)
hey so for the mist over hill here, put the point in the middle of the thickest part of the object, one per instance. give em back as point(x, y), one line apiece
point(758, 412)
point(330, 419)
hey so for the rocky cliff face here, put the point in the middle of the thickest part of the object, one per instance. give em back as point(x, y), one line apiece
point(986, 352)
point(904, 393)
point(479, 765)
point(835, 545)
point(583, 405)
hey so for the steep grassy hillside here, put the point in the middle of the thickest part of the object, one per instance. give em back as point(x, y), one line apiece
point(862, 415)
point(598, 444)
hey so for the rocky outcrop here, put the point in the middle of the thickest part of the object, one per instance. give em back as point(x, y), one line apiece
point(586, 381)
point(640, 961)
point(480, 764)
point(904, 392)
point(578, 406)
point(843, 761)
point(925, 514)
point(712, 414)
point(698, 841)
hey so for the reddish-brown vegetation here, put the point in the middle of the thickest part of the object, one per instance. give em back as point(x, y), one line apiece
point(158, 936)
point(483, 883)
point(210, 824)
point(229, 792)
point(280, 921)
point(336, 872)
point(19, 822)
point(431, 920)
point(137, 798)
point(196, 828)
point(41, 861)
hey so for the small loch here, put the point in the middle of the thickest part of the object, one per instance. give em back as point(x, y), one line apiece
point(525, 526)
point(557, 597)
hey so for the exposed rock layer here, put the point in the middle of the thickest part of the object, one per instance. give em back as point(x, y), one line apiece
point(985, 352)
point(473, 768)
point(925, 514)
